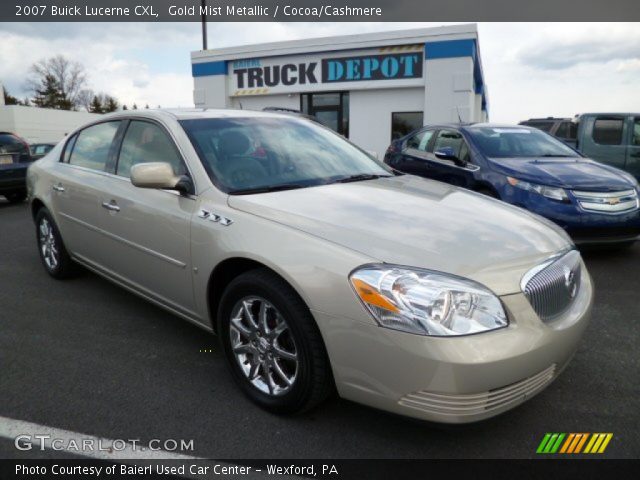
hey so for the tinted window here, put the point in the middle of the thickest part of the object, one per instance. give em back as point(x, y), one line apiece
point(91, 149)
point(563, 130)
point(636, 132)
point(451, 139)
point(420, 141)
point(267, 152)
point(147, 142)
point(497, 142)
point(403, 123)
point(608, 131)
point(12, 144)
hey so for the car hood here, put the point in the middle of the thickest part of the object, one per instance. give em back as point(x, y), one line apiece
point(411, 221)
point(571, 173)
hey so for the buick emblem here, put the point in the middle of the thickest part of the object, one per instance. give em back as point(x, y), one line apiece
point(614, 201)
point(570, 282)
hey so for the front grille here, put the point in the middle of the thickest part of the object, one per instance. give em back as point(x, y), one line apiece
point(479, 403)
point(552, 286)
point(607, 202)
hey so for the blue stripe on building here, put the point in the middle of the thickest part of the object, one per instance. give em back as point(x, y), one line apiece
point(209, 68)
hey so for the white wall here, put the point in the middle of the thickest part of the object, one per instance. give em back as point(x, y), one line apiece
point(370, 115)
point(211, 91)
point(41, 124)
point(449, 91)
point(258, 102)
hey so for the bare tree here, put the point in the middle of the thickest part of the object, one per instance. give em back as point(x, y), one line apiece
point(85, 96)
point(70, 77)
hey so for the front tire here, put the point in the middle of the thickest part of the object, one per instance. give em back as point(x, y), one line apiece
point(53, 253)
point(272, 343)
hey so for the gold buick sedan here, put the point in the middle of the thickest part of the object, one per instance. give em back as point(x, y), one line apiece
point(319, 268)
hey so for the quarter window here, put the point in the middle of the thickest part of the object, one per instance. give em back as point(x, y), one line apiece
point(146, 142)
point(91, 149)
point(420, 140)
point(608, 131)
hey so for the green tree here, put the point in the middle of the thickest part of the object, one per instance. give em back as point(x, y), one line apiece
point(110, 104)
point(49, 95)
point(96, 105)
point(135, 107)
point(124, 107)
point(69, 78)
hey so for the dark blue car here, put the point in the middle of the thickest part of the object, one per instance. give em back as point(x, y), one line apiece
point(593, 202)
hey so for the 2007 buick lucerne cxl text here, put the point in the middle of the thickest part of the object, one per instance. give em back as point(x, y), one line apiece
point(318, 267)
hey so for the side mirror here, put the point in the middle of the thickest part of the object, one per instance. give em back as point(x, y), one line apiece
point(158, 175)
point(447, 153)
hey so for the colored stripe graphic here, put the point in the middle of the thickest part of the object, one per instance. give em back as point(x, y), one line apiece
point(573, 443)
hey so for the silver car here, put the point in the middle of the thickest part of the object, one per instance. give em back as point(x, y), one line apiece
point(318, 267)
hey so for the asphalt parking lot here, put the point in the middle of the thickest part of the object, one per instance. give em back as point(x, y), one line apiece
point(86, 356)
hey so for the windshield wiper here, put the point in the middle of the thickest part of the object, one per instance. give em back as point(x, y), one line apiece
point(267, 189)
point(359, 177)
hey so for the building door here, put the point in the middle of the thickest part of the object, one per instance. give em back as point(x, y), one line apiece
point(331, 109)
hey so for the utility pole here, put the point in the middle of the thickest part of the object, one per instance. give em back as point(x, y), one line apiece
point(204, 24)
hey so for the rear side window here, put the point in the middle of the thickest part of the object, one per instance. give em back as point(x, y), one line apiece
point(147, 142)
point(91, 149)
point(636, 132)
point(12, 144)
point(608, 131)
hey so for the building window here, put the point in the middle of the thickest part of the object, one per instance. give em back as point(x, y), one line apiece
point(403, 123)
point(608, 131)
point(330, 109)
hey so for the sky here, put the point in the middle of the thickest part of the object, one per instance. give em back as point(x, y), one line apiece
point(531, 70)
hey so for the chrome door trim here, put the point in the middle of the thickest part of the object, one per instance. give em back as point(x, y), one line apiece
point(166, 258)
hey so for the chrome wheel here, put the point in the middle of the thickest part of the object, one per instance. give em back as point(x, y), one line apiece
point(263, 346)
point(48, 245)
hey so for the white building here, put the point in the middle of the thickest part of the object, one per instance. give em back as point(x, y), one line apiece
point(41, 125)
point(369, 87)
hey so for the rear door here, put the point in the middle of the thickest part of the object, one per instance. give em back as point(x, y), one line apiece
point(150, 228)
point(604, 139)
point(633, 151)
point(81, 178)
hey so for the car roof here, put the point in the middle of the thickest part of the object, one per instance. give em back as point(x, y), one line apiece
point(194, 113)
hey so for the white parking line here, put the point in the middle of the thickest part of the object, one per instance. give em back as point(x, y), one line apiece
point(42, 437)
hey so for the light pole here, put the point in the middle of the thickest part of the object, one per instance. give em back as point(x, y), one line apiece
point(204, 23)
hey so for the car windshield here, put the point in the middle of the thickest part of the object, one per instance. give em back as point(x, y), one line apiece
point(255, 154)
point(505, 142)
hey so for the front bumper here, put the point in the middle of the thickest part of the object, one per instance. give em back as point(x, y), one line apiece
point(457, 379)
point(584, 227)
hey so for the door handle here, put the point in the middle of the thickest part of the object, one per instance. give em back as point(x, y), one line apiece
point(58, 188)
point(111, 206)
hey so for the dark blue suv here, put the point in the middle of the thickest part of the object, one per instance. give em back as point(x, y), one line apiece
point(593, 202)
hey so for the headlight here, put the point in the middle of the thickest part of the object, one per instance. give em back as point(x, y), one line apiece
point(425, 302)
point(553, 193)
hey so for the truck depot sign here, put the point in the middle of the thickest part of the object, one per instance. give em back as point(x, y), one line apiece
point(289, 74)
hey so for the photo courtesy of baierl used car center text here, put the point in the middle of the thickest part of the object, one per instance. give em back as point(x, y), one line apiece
point(291, 239)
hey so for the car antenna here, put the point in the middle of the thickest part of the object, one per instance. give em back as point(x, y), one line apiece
point(458, 112)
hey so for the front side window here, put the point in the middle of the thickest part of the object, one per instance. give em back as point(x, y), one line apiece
point(91, 149)
point(450, 139)
point(244, 154)
point(508, 142)
point(608, 131)
point(146, 142)
point(403, 123)
point(420, 141)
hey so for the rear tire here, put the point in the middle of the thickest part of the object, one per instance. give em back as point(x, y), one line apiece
point(16, 197)
point(272, 343)
point(53, 253)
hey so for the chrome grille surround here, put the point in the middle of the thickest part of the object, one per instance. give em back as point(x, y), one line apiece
point(479, 403)
point(552, 286)
point(608, 202)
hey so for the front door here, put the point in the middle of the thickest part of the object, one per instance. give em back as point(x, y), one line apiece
point(450, 171)
point(150, 228)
